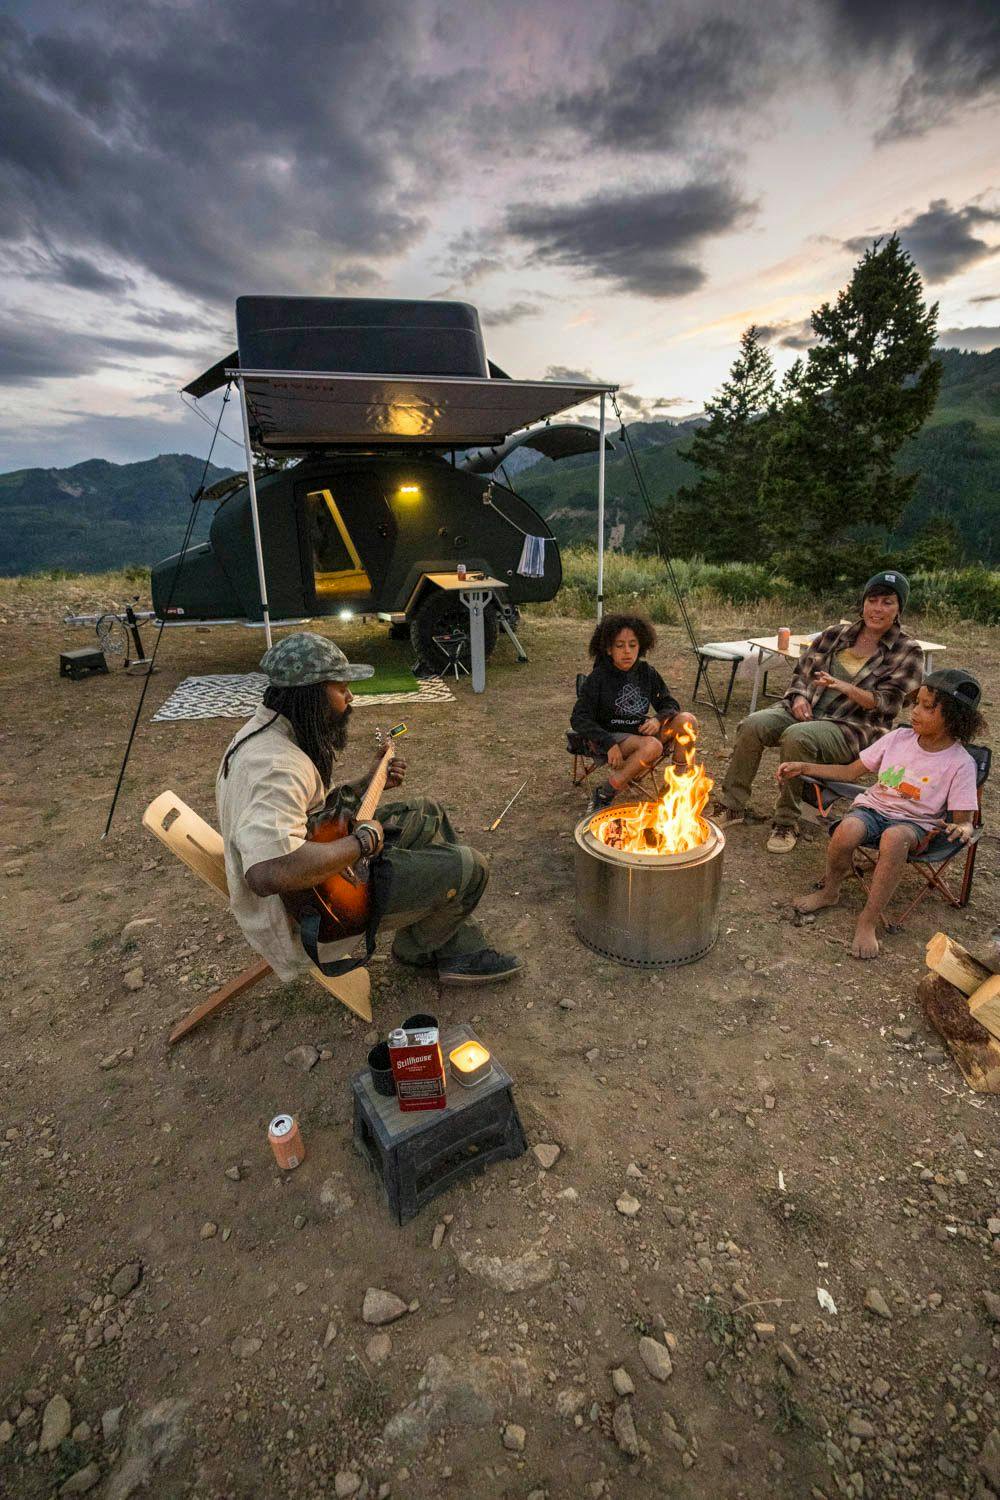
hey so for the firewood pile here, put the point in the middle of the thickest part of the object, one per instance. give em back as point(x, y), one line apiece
point(960, 998)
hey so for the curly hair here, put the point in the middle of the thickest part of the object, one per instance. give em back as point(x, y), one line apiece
point(603, 637)
point(963, 722)
point(319, 730)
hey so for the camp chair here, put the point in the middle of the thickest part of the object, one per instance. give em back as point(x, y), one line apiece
point(586, 760)
point(931, 865)
point(199, 846)
point(733, 652)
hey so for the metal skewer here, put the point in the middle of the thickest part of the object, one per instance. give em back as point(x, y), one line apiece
point(497, 821)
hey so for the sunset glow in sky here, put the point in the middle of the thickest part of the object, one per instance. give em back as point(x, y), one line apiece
point(619, 189)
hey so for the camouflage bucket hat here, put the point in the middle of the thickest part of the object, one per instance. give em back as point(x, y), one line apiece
point(305, 657)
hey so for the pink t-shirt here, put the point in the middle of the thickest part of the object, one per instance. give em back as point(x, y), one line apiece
point(919, 785)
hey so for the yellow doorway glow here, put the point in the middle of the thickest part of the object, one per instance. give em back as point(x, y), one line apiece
point(470, 1063)
point(409, 492)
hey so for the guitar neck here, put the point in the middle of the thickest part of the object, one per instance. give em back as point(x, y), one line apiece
point(376, 786)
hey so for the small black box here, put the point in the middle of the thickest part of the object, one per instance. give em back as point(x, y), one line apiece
point(81, 663)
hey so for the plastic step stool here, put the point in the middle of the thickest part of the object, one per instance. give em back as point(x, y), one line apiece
point(417, 1155)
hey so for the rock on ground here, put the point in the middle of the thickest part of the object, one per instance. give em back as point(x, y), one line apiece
point(303, 1058)
point(546, 1153)
point(346, 1483)
point(623, 1425)
point(656, 1357)
point(628, 1206)
point(382, 1307)
point(520, 1273)
point(83, 1480)
point(378, 1348)
point(448, 1398)
point(127, 1278)
point(514, 1437)
point(57, 1420)
point(622, 1382)
point(876, 1303)
point(153, 1438)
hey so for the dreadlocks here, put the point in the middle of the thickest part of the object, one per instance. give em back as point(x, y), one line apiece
point(319, 730)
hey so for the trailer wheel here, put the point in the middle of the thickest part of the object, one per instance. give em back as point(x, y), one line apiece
point(442, 617)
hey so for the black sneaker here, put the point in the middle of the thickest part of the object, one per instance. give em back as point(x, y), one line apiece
point(485, 967)
point(602, 797)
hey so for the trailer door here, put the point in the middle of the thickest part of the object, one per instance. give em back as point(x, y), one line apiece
point(348, 532)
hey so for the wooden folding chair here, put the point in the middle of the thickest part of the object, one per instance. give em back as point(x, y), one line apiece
point(200, 847)
point(826, 792)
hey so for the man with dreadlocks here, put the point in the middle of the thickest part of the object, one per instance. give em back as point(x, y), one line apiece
point(276, 774)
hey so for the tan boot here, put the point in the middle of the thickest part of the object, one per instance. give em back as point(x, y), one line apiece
point(782, 841)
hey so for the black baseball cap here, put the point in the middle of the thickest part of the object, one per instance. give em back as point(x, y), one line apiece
point(955, 683)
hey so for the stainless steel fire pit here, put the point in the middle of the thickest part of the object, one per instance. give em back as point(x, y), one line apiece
point(647, 910)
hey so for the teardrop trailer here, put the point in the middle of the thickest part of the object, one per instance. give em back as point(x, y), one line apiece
point(396, 419)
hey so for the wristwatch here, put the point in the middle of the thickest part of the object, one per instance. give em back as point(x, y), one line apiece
point(369, 836)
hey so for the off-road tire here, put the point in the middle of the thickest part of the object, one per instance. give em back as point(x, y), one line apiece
point(444, 613)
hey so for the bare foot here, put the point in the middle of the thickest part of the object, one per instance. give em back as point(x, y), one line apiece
point(865, 943)
point(816, 900)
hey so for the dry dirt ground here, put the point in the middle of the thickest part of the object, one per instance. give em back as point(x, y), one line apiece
point(185, 1317)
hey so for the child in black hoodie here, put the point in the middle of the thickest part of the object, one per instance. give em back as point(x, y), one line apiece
point(625, 709)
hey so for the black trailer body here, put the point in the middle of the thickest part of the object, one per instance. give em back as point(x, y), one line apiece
point(396, 414)
point(357, 532)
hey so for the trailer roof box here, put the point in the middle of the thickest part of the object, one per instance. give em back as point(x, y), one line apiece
point(358, 335)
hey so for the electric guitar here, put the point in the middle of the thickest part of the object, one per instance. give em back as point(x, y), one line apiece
point(344, 900)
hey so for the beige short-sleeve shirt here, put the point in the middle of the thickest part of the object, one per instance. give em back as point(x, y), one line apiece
point(264, 803)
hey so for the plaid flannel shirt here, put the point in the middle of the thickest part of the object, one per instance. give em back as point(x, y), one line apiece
point(892, 673)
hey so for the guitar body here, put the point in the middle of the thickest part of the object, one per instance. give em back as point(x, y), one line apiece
point(344, 902)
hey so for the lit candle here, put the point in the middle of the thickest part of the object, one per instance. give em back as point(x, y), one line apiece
point(470, 1063)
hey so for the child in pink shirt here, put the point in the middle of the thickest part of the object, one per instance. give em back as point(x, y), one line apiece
point(924, 798)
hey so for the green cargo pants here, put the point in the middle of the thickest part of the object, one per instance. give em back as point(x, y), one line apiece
point(810, 739)
point(435, 876)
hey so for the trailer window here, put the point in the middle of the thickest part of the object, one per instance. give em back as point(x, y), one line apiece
point(336, 564)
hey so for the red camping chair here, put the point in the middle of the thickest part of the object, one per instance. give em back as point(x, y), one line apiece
point(931, 865)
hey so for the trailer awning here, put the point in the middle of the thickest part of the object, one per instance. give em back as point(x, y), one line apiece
point(293, 410)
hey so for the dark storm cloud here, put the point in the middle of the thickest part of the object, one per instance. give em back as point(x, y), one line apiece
point(513, 312)
point(949, 53)
point(792, 334)
point(941, 239)
point(980, 339)
point(215, 147)
point(654, 91)
point(989, 297)
point(647, 242)
point(633, 404)
point(34, 350)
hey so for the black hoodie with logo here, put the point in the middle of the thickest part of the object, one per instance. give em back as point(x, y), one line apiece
point(613, 702)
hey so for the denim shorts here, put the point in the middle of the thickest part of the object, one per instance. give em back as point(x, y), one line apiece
point(876, 824)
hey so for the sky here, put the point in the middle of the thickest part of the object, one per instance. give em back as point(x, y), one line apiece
point(620, 189)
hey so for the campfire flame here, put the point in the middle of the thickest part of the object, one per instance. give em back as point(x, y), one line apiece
point(672, 825)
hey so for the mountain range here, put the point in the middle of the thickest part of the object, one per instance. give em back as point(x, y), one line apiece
point(98, 515)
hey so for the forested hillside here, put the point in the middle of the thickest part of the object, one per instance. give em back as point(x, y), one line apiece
point(98, 515)
point(957, 455)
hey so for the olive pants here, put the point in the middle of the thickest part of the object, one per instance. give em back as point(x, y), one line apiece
point(810, 740)
point(435, 876)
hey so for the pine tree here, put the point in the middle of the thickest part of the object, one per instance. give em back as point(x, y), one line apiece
point(831, 490)
point(716, 518)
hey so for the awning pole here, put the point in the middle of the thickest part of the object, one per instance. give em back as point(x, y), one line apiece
point(254, 516)
point(600, 514)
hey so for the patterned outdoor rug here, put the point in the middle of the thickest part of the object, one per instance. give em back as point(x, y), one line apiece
point(237, 696)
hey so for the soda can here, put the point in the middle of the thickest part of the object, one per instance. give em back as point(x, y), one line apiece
point(784, 638)
point(286, 1142)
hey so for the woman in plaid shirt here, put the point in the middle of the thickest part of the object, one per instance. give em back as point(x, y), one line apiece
point(848, 687)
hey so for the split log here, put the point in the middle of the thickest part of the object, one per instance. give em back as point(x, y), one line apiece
point(984, 1005)
point(970, 1044)
point(954, 963)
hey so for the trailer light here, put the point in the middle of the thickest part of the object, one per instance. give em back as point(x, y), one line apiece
point(345, 614)
point(409, 492)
